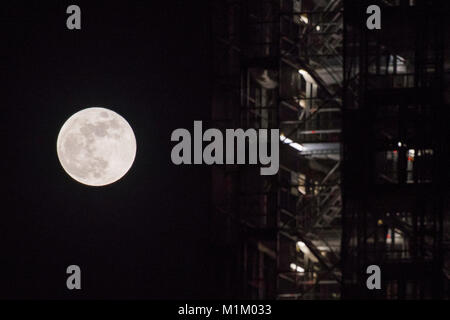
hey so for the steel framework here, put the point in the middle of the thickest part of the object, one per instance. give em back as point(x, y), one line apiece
point(278, 64)
point(395, 182)
point(295, 65)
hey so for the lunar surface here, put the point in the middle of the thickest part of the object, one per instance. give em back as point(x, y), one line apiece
point(96, 146)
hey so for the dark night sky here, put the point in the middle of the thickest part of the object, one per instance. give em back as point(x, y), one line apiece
point(144, 236)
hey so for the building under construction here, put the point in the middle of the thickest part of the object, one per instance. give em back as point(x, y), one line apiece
point(364, 148)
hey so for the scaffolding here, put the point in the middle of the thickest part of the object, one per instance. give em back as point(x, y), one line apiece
point(395, 184)
point(278, 64)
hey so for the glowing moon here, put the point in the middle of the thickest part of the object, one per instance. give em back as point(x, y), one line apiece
point(96, 146)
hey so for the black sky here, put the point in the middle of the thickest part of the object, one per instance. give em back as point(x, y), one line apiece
point(146, 235)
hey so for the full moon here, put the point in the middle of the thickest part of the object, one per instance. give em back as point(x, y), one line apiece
point(96, 146)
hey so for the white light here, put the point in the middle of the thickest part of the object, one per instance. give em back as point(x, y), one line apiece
point(297, 268)
point(401, 59)
point(288, 141)
point(304, 18)
point(318, 28)
point(399, 144)
point(297, 146)
point(302, 246)
point(291, 143)
point(285, 139)
point(307, 76)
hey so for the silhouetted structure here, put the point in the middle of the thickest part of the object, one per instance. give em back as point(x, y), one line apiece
point(295, 65)
point(395, 174)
